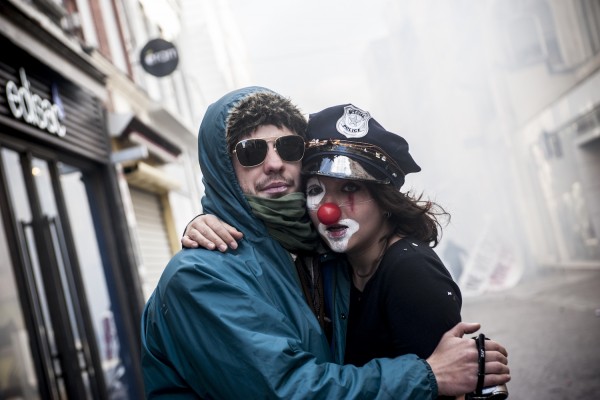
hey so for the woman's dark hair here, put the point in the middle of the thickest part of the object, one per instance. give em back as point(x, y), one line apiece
point(410, 214)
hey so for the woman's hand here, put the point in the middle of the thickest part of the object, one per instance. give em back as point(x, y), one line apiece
point(211, 233)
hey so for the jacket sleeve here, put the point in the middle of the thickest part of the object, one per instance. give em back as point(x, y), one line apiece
point(216, 339)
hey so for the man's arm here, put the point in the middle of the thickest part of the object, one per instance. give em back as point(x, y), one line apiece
point(232, 344)
point(454, 361)
point(223, 340)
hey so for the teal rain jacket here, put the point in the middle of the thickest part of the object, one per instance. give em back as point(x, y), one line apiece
point(235, 325)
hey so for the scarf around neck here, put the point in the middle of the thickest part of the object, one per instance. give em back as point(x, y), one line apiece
point(287, 221)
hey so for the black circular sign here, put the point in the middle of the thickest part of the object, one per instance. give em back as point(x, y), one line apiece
point(159, 57)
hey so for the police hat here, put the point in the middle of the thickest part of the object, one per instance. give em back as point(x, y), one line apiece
point(346, 142)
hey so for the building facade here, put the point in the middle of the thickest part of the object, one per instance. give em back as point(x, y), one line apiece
point(98, 177)
point(70, 294)
point(548, 52)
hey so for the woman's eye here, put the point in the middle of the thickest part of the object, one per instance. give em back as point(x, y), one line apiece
point(351, 187)
point(314, 190)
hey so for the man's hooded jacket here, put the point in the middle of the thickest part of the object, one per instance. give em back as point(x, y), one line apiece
point(235, 325)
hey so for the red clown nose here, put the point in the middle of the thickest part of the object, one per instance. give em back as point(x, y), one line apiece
point(329, 213)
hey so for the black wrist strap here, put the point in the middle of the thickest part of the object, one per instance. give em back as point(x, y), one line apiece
point(480, 341)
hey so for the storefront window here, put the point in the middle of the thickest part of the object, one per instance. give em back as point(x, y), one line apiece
point(92, 271)
point(89, 310)
point(17, 373)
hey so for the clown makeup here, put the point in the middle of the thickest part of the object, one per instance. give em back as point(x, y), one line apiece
point(357, 225)
point(338, 236)
point(316, 191)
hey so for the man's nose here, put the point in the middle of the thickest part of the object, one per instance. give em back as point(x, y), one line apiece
point(272, 161)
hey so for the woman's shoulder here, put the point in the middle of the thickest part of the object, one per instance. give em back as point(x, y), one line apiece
point(411, 256)
point(412, 266)
point(408, 247)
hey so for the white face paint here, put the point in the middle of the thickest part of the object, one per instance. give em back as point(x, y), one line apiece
point(362, 218)
point(338, 237)
point(314, 197)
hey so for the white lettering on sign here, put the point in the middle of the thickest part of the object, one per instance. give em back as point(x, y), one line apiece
point(33, 109)
point(161, 56)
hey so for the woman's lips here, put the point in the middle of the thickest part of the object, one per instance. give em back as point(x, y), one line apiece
point(336, 231)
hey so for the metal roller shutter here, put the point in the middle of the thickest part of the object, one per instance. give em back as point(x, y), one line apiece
point(151, 235)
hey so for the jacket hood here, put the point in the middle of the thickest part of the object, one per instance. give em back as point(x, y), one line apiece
point(223, 194)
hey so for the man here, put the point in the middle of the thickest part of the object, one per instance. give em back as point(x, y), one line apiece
point(236, 325)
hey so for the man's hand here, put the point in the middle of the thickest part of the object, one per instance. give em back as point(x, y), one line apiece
point(210, 232)
point(454, 362)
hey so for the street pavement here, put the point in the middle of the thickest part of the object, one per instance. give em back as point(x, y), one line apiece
point(550, 324)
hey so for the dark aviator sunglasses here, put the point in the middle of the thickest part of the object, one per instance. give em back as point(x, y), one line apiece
point(253, 152)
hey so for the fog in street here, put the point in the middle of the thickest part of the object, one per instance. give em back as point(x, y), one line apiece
point(421, 68)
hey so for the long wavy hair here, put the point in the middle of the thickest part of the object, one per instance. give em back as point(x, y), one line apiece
point(411, 215)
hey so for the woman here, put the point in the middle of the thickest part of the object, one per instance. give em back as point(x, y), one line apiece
point(403, 299)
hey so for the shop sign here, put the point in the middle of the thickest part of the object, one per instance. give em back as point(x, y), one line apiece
point(34, 109)
point(159, 57)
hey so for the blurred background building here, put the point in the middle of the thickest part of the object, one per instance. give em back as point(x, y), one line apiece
point(100, 102)
point(500, 101)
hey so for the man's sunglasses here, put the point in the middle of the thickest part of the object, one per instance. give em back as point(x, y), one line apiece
point(252, 152)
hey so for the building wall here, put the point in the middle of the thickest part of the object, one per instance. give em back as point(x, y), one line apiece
point(549, 91)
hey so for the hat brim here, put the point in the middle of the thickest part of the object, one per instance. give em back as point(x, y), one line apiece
point(356, 161)
point(342, 167)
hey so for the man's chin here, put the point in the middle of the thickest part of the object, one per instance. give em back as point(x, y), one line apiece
point(275, 195)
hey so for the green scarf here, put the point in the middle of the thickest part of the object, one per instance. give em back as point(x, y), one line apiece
point(287, 221)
